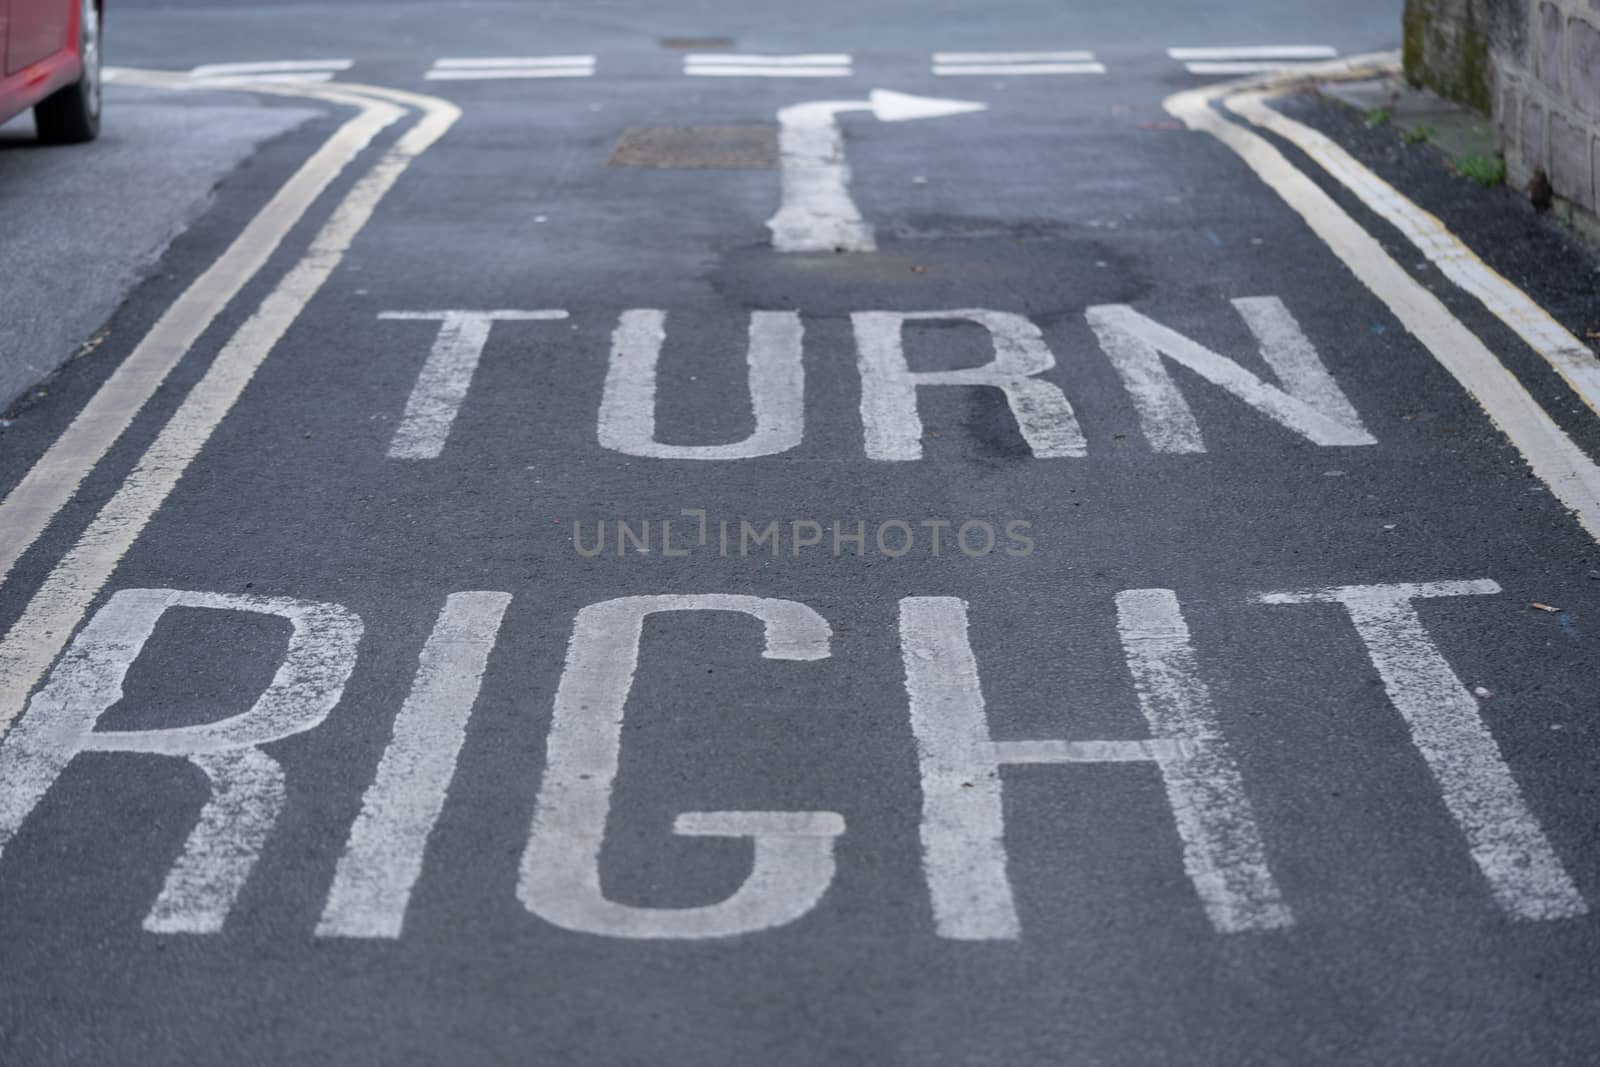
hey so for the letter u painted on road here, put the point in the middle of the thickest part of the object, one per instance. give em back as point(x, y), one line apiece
point(793, 861)
point(777, 389)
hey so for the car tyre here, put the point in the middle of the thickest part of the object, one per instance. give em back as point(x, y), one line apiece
point(72, 115)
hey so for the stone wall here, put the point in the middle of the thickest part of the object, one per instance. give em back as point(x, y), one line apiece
point(1534, 65)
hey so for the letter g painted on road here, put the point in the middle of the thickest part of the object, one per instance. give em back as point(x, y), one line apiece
point(793, 864)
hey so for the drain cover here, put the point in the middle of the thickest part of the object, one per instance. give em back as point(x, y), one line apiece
point(697, 44)
point(697, 148)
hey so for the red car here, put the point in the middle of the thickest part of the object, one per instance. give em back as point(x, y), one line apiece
point(52, 64)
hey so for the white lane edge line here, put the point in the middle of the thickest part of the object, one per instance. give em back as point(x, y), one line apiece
point(1564, 468)
point(1573, 360)
point(58, 607)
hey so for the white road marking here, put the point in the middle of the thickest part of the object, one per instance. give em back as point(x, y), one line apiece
point(1570, 474)
point(446, 376)
point(53, 480)
point(963, 819)
point(1566, 354)
point(969, 64)
point(892, 427)
point(56, 609)
point(1249, 59)
point(733, 65)
point(494, 67)
point(817, 213)
point(793, 863)
point(383, 857)
point(1008, 69)
point(1310, 402)
point(1526, 877)
point(627, 421)
point(1262, 51)
point(238, 81)
point(281, 66)
point(1013, 57)
point(272, 72)
point(247, 785)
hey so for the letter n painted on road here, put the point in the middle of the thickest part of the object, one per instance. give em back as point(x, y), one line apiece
point(963, 830)
point(247, 785)
point(793, 864)
point(1310, 402)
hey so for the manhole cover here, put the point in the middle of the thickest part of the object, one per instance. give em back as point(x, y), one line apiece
point(697, 44)
point(697, 147)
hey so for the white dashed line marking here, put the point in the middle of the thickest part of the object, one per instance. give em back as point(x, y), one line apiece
point(730, 65)
point(277, 71)
point(959, 64)
point(491, 68)
point(1249, 59)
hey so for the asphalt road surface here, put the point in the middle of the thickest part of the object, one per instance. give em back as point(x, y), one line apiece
point(867, 533)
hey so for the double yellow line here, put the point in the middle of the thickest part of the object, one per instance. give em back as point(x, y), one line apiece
point(60, 604)
point(1555, 459)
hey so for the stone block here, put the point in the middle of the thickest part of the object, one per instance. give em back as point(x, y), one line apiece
point(1569, 162)
point(1550, 27)
point(1531, 138)
point(1583, 66)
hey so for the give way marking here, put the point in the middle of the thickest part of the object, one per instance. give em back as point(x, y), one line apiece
point(817, 214)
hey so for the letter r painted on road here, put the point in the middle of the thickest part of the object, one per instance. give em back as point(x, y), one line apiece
point(247, 785)
point(793, 863)
point(889, 418)
point(963, 828)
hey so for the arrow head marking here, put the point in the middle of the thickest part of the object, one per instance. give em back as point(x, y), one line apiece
point(890, 106)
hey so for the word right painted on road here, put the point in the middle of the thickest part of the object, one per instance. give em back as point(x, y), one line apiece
point(1305, 399)
point(965, 853)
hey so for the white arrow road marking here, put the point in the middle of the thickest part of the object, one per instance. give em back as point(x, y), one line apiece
point(817, 214)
